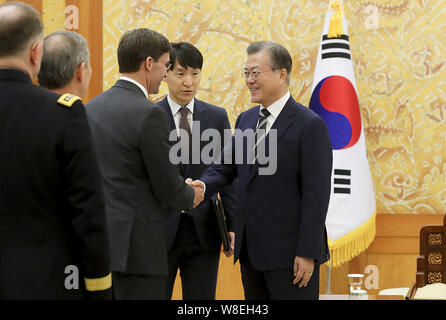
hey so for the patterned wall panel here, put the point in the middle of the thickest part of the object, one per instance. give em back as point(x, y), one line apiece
point(53, 15)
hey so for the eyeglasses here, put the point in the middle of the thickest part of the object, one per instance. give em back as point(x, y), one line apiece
point(254, 74)
point(168, 66)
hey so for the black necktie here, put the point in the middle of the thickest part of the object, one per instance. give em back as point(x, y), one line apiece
point(261, 130)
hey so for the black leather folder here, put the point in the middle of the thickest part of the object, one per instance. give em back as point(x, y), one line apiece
point(221, 221)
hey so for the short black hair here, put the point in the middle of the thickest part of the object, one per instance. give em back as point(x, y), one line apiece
point(186, 54)
point(138, 44)
point(63, 52)
point(280, 58)
point(17, 30)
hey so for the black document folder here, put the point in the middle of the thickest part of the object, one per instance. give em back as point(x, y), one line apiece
point(221, 221)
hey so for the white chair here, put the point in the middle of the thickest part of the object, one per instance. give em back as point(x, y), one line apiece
point(394, 292)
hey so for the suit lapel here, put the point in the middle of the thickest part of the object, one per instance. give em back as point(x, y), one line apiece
point(200, 115)
point(252, 122)
point(165, 105)
point(281, 124)
point(285, 119)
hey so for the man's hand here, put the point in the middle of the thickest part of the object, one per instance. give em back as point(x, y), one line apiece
point(231, 250)
point(303, 269)
point(198, 190)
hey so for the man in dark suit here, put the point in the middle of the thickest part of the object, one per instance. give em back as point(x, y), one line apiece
point(52, 213)
point(131, 136)
point(193, 239)
point(280, 233)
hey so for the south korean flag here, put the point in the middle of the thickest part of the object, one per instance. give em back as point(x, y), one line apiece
point(351, 214)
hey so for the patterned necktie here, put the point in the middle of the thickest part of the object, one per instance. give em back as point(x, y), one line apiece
point(261, 130)
point(184, 123)
point(185, 143)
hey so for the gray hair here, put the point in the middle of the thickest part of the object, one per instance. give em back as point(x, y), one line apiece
point(63, 52)
point(19, 25)
point(280, 58)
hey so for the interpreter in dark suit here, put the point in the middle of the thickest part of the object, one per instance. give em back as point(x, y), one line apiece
point(131, 135)
point(282, 204)
point(53, 233)
point(193, 239)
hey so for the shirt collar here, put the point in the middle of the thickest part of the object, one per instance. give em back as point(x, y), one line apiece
point(175, 107)
point(138, 84)
point(278, 105)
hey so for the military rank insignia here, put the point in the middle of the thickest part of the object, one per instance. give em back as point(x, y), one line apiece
point(68, 100)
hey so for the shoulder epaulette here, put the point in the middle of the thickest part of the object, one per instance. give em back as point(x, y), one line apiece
point(68, 100)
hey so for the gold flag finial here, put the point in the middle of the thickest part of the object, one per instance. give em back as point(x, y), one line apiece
point(335, 29)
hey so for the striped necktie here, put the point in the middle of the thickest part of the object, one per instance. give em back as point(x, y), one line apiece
point(261, 130)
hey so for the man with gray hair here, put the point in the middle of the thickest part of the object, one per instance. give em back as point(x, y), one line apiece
point(52, 216)
point(65, 63)
point(280, 235)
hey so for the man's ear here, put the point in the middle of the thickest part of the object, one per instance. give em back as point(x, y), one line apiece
point(36, 50)
point(148, 63)
point(80, 70)
point(283, 74)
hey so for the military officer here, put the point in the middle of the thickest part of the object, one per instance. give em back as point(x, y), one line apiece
point(66, 64)
point(53, 235)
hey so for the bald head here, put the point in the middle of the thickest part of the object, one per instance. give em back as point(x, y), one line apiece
point(63, 53)
point(20, 25)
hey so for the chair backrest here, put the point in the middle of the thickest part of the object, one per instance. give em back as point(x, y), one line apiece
point(431, 264)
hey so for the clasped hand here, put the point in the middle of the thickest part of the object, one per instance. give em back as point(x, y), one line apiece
point(198, 190)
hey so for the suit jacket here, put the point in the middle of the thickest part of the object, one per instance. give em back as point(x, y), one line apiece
point(52, 212)
point(131, 135)
point(281, 215)
point(210, 117)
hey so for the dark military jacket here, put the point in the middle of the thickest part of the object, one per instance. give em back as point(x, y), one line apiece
point(53, 235)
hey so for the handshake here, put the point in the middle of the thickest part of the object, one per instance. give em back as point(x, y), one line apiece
point(199, 189)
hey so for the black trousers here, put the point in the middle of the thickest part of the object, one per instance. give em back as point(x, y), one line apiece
point(275, 284)
point(138, 287)
point(198, 269)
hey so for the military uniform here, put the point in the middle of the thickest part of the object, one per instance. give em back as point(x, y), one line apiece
point(52, 215)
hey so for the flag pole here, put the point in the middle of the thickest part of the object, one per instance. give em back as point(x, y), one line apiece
point(328, 280)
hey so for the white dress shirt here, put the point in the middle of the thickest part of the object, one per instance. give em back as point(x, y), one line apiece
point(175, 108)
point(138, 84)
point(275, 110)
